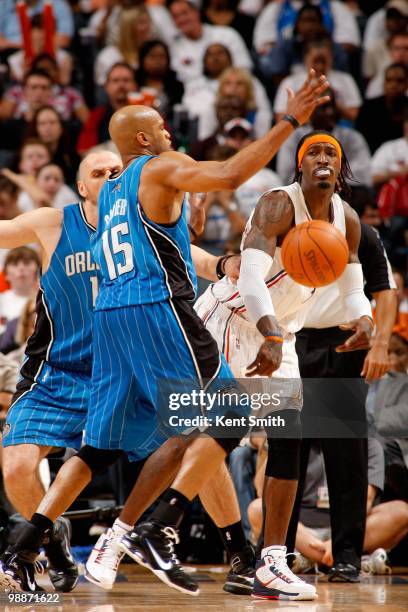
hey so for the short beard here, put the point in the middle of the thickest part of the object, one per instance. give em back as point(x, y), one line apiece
point(324, 185)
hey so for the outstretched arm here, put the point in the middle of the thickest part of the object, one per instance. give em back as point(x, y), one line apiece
point(272, 217)
point(182, 173)
point(351, 287)
point(376, 363)
point(381, 285)
point(29, 227)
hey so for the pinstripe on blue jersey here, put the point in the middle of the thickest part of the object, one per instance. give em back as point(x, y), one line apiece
point(63, 332)
point(140, 262)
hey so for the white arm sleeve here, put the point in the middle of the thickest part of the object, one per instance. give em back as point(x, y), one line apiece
point(351, 287)
point(255, 265)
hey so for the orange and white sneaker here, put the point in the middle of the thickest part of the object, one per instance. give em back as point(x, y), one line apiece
point(274, 579)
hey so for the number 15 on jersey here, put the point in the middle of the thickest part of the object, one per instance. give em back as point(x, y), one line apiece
point(118, 253)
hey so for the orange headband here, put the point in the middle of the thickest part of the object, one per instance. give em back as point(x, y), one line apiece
point(311, 140)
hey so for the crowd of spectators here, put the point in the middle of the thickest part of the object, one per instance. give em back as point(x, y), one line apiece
point(218, 71)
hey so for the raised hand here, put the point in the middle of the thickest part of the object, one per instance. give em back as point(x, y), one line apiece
point(302, 103)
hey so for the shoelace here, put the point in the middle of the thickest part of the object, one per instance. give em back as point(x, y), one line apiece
point(235, 561)
point(38, 567)
point(172, 538)
point(282, 566)
point(108, 555)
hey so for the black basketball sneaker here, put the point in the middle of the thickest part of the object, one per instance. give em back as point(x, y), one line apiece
point(344, 572)
point(152, 546)
point(17, 572)
point(62, 568)
point(240, 578)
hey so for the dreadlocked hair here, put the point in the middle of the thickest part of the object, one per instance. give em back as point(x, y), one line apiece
point(342, 186)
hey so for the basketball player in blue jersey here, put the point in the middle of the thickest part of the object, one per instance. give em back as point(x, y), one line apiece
point(49, 407)
point(145, 327)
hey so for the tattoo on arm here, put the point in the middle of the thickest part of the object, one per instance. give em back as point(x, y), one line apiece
point(272, 217)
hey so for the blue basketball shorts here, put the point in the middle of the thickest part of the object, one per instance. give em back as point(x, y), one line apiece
point(136, 350)
point(49, 407)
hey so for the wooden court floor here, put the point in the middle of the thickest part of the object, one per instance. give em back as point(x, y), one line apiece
point(139, 590)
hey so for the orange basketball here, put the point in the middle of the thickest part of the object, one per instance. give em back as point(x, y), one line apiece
point(314, 253)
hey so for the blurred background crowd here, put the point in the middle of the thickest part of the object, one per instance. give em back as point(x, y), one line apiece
point(218, 71)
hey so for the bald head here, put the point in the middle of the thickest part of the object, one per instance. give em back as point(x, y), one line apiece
point(93, 171)
point(138, 130)
point(99, 159)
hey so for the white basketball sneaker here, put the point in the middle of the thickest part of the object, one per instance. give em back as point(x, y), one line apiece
point(274, 579)
point(102, 565)
point(376, 563)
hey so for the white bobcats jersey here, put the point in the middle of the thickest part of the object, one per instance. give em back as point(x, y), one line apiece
point(291, 301)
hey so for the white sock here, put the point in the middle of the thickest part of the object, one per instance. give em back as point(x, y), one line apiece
point(118, 525)
point(271, 550)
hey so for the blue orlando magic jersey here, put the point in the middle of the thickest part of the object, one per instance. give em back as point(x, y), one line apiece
point(140, 261)
point(63, 330)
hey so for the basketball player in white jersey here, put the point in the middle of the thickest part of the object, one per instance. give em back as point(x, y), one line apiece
point(255, 322)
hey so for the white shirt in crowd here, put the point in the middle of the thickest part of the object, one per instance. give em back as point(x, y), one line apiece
point(251, 7)
point(375, 88)
point(390, 156)
point(163, 22)
point(217, 227)
point(106, 58)
point(345, 25)
point(375, 29)
point(248, 194)
point(199, 98)
point(342, 83)
point(187, 54)
point(163, 29)
point(159, 14)
point(11, 307)
point(65, 195)
point(63, 58)
point(375, 59)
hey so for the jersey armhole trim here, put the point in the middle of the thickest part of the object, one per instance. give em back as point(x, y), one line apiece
point(82, 213)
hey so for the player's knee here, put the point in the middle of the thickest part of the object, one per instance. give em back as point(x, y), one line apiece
point(177, 446)
point(400, 508)
point(98, 459)
point(17, 468)
point(283, 458)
